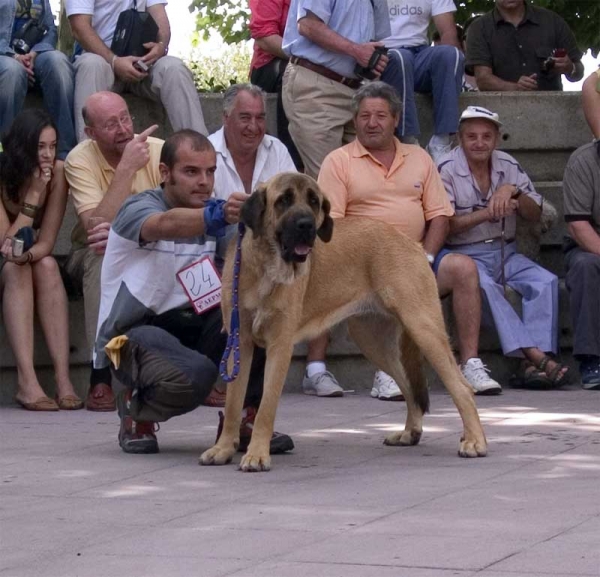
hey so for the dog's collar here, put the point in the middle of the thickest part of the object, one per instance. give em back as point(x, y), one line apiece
point(233, 339)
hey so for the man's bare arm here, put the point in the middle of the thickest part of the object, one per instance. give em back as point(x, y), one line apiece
point(272, 45)
point(446, 26)
point(529, 209)
point(173, 224)
point(585, 236)
point(437, 231)
point(466, 222)
point(81, 26)
point(487, 81)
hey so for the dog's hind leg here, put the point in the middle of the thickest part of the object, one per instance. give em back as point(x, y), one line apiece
point(224, 449)
point(378, 337)
point(426, 327)
point(279, 354)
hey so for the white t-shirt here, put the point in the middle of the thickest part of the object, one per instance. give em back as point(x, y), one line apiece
point(105, 13)
point(410, 19)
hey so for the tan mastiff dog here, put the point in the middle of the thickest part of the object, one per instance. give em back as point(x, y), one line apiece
point(292, 288)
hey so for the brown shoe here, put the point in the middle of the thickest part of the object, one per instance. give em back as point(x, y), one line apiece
point(100, 398)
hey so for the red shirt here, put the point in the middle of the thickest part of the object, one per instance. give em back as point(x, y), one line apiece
point(267, 17)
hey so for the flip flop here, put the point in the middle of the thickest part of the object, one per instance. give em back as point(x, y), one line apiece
point(41, 404)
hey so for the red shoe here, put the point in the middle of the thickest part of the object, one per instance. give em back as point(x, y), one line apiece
point(215, 398)
point(280, 442)
point(100, 398)
point(135, 436)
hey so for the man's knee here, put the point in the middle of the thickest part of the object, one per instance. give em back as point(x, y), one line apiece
point(447, 56)
point(458, 270)
point(172, 70)
point(12, 74)
point(54, 62)
point(91, 65)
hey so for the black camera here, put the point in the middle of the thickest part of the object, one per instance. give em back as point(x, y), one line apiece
point(368, 72)
point(28, 36)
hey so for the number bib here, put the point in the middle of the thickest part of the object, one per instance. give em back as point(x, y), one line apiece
point(202, 284)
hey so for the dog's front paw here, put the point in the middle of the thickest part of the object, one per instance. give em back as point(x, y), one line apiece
point(472, 448)
point(217, 455)
point(255, 461)
point(403, 438)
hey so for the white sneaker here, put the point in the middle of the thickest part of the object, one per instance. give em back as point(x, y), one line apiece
point(385, 388)
point(476, 374)
point(322, 384)
point(437, 151)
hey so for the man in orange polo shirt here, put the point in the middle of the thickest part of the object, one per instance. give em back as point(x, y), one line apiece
point(378, 177)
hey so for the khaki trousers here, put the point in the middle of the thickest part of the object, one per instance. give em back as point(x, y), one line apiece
point(319, 112)
point(169, 82)
point(84, 267)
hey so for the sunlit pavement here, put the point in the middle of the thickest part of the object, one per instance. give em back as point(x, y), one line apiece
point(341, 505)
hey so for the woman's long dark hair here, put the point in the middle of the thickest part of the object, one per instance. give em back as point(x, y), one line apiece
point(20, 149)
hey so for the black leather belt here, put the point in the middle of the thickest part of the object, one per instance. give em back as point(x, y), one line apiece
point(350, 82)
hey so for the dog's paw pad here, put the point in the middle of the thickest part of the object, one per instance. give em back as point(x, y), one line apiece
point(216, 456)
point(253, 463)
point(472, 449)
point(403, 439)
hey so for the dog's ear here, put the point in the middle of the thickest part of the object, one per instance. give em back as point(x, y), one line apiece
point(326, 229)
point(253, 210)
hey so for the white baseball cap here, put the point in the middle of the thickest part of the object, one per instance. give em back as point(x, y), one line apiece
point(480, 112)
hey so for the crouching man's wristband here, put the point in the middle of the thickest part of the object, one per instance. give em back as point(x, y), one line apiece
point(214, 217)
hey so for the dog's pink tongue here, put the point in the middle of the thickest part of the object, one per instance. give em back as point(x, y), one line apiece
point(302, 249)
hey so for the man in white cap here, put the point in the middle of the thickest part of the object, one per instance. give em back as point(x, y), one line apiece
point(487, 189)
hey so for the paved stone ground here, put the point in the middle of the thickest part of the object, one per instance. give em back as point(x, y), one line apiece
point(341, 505)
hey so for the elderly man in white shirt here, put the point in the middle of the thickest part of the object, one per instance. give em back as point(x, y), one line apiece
point(246, 156)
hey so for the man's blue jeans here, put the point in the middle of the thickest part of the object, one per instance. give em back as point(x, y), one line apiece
point(55, 78)
point(432, 69)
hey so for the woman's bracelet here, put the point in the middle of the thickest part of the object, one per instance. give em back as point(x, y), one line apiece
point(29, 210)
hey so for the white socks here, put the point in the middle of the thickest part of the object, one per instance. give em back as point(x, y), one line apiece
point(314, 368)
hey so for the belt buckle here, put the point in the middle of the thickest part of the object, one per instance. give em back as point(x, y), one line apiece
point(489, 241)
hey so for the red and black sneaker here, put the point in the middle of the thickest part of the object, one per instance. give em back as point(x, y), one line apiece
point(280, 442)
point(135, 436)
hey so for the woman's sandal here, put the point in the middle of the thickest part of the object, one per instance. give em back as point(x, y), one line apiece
point(542, 380)
point(41, 404)
point(69, 403)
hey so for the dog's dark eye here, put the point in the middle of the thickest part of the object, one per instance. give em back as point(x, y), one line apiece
point(286, 199)
point(313, 199)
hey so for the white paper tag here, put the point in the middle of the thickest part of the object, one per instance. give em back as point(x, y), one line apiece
point(202, 284)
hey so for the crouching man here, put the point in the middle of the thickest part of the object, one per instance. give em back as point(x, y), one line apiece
point(158, 323)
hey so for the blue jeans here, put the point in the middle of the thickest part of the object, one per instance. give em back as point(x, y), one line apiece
point(432, 69)
point(55, 78)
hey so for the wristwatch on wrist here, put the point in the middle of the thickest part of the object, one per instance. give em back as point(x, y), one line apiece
point(430, 258)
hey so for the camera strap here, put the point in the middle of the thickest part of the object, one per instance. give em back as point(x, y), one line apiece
point(26, 6)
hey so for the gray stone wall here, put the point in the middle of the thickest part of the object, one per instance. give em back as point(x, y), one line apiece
point(541, 130)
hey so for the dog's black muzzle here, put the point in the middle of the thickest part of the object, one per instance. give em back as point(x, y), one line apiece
point(296, 235)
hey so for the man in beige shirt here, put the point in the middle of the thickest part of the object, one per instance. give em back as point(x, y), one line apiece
point(102, 172)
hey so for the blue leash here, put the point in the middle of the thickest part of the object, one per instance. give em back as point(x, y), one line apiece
point(233, 339)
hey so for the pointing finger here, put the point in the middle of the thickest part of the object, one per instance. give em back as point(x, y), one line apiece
point(148, 132)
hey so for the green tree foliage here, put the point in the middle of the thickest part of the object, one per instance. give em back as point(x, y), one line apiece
point(227, 17)
point(217, 73)
point(230, 17)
